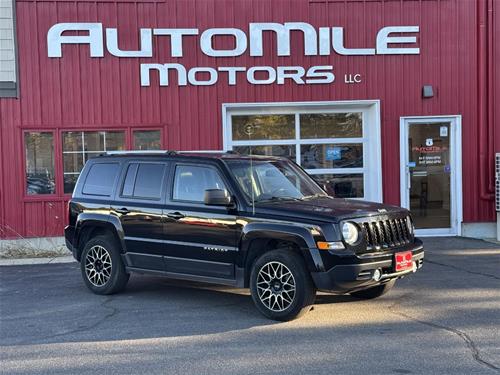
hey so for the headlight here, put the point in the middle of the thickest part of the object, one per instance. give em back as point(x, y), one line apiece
point(409, 225)
point(350, 233)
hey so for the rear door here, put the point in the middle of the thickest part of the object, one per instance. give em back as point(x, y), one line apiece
point(139, 205)
point(200, 240)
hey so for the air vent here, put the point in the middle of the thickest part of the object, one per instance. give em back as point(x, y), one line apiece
point(497, 181)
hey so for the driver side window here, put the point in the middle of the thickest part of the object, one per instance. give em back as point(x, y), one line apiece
point(191, 181)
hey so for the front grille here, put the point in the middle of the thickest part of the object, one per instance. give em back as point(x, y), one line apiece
point(386, 233)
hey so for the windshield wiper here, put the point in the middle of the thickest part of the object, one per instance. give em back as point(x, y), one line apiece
point(282, 198)
point(314, 196)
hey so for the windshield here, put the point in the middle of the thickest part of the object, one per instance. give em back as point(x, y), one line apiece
point(272, 180)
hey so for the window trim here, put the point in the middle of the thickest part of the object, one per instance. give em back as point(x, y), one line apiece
point(371, 139)
point(37, 197)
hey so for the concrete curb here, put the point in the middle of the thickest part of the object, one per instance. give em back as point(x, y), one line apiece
point(29, 261)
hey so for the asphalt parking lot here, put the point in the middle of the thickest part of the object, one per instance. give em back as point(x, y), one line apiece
point(444, 319)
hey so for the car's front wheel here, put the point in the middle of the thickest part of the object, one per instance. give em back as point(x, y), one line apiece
point(102, 268)
point(281, 286)
point(374, 292)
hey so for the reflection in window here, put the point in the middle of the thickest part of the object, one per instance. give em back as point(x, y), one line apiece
point(78, 147)
point(331, 125)
point(190, 182)
point(39, 163)
point(320, 156)
point(286, 151)
point(147, 140)
point(263, 127)
point(342, 185)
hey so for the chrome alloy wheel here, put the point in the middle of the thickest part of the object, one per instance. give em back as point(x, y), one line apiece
point(98, 265)
point(276, 286)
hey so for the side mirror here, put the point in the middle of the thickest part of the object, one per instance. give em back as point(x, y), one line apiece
point(218, 197)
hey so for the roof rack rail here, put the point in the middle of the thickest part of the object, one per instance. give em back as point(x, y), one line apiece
point(152, 152)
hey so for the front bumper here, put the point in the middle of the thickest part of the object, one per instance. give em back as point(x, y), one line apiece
point(347, 278)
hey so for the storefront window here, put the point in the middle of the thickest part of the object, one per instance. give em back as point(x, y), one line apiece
point(340, 155)
point(331, 125)
point(78, 147)
point(286, 151)
point(263, 127)
point(329, 146)
point(39, 163)
point(342, 185)
point(147, 140)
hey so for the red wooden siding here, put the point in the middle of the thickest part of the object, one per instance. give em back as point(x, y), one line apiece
point(79, 92)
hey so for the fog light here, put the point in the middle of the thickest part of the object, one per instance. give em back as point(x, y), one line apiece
point(377, 274)
point(414, 267)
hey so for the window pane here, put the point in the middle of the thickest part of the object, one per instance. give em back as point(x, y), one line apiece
point(147, 140)
point(39, 163)
point(94, 141)
point(70, 182)
point(91, 155)
point(331, 125)
point(73, 162)
point(331, 156)
point(287, 151)
point(342, 185)
point(148, 182)
point(72, 141)
point(100, 179)
point(192, 181)
point(115, 141)
point(263, 127)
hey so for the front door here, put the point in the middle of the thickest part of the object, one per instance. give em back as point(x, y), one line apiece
point(201, 240)
point(430, 171)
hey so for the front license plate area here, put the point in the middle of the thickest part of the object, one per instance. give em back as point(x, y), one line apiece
point(403, 261)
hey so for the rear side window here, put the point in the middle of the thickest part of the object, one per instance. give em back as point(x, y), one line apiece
point(144, 180)
point(100, 179)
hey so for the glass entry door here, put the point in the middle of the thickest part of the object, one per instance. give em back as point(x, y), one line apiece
point(430, 172)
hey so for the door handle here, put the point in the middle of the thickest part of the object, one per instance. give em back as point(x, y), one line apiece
point(175, 215)
point(122, 210)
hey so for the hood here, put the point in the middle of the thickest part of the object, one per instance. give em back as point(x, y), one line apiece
point(325, 208)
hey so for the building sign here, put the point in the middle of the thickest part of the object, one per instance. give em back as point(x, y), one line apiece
point(322, 41)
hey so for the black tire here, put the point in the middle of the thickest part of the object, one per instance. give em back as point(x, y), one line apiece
point(374, 292)
point(103, 284)
point(304, 292)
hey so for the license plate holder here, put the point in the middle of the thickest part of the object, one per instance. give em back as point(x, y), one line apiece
point(403, 261)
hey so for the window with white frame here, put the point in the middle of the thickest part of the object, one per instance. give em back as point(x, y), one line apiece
point(78, 147)
point(335, 146)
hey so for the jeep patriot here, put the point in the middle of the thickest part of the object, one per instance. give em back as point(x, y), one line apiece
point(255, 222)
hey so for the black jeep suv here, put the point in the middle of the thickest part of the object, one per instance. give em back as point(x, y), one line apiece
point(222, 218)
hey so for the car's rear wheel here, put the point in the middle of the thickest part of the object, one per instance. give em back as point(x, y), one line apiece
point(374, 292)
point(102, 268)
point(281, 286)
